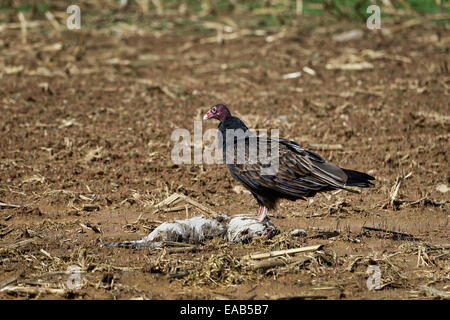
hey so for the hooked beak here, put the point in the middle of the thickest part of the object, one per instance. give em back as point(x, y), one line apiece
point(208, 115)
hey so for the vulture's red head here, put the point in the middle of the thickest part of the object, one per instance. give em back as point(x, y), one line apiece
point(219, 112)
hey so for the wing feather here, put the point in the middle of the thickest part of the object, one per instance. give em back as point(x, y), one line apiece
point(300, 172)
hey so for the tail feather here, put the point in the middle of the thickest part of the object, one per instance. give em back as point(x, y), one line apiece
point(358, 179)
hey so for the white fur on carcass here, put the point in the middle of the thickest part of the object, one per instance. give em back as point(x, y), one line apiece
point(241, 229)
point(200, 228)
point(195, 229)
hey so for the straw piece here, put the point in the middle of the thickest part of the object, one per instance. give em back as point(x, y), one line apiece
point(277, 253)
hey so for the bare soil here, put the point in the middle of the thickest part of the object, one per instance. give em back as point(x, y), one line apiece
point(86, 119)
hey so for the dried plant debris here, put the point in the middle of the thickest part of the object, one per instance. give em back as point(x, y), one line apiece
point(390, 274)
point(396, 204)
point(177, 198)
point(201, 228)
point(431, 118)
point(220, 269)
point(289, 261)
point(277, 253)
point(428, 255)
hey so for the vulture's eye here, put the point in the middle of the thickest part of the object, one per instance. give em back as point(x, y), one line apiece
point(213, 110)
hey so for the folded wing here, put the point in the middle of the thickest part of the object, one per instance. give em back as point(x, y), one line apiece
point(292, 172)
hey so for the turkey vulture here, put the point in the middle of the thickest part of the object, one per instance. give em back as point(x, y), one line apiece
point(297, 173)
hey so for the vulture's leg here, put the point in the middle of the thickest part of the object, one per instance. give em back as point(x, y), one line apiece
point(259, 212)
point(262, 213)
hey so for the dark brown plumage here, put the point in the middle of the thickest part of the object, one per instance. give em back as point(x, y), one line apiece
point(299, 174)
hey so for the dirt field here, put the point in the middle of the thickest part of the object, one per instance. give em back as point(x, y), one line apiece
point(85, 133)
